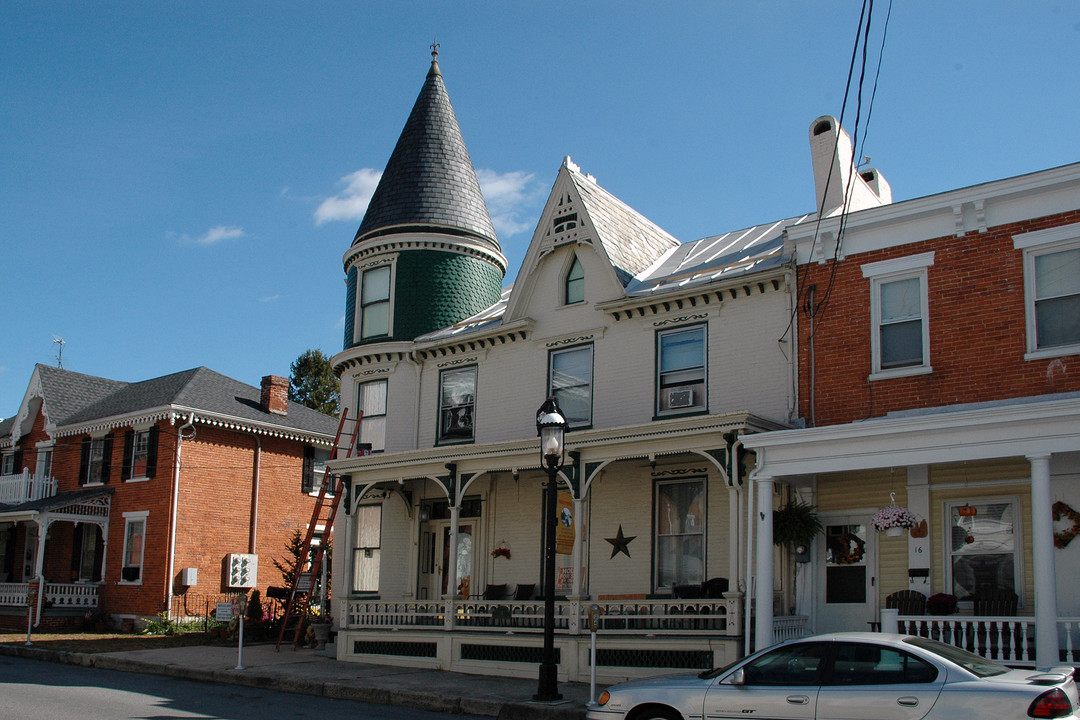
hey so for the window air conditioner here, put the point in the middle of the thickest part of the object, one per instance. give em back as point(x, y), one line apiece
point(683, 397)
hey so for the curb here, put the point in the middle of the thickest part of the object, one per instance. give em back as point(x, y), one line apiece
point(379, 696)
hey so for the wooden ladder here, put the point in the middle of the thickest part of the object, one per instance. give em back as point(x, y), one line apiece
point(323, 513)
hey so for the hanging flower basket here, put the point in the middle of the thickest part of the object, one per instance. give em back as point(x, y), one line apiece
point(893, 517)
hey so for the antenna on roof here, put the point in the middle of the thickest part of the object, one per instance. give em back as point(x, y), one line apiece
point(59, 341)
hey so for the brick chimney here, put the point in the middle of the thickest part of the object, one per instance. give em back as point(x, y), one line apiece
point(275, 394)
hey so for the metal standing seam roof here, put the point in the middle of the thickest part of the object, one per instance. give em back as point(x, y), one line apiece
point(429, 181)
point(718, 257)
point(74, 398)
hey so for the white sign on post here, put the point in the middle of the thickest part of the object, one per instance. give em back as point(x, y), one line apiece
point(224, 612)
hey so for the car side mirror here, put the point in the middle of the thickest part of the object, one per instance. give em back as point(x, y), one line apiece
point(736, 678)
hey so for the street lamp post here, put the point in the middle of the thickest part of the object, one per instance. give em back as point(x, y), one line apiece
point(551, 427)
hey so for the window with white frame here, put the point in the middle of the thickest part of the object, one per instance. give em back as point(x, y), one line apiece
point(1052, 289)
point(983, 546)
point(371, 399)
point(96, 454)
point(680, 366)
point(366, 552)
point(575, 283)
point(457, 404)
point(375, 302)
point(131, 570)
point(570, 374)
point(899, 314)
point(7, 464)
point(43, 464)
point(679, 549)
point(140, 454)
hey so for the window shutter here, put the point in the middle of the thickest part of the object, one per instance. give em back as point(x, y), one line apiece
point(350, 307)
point(84, 460)
point(106, 461)
point(17, 464)
point(99, 555)
point(151, 453)
point(307, 482)
point(76, 553)
point(125, 465)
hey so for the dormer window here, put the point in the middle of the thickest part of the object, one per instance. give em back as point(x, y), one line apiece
point(575, 283)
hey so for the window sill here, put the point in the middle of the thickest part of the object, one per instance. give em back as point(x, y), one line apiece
point(900, 372)
point(93, 484)
point(141, 478)
point(670, 414)
point(1052, 352)
point(129, 582)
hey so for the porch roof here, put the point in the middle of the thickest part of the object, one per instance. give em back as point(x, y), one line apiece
point(1019, 427)
point(698, 435)
point(36, 508)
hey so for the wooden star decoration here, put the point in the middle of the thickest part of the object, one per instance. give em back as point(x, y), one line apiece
point(620, 543)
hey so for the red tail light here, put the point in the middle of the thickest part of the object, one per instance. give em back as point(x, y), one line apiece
point(1051, 704)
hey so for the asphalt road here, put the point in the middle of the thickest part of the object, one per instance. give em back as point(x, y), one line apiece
point(34, 690)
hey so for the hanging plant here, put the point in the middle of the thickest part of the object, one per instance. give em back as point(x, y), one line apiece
point(893, 516)
point(795, 524)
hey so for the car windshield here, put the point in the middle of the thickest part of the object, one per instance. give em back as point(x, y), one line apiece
point(975, 664)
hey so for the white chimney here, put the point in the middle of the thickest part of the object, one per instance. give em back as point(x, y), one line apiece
point(831, 153)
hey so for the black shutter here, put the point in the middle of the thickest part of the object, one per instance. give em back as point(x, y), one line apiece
point(84, 460)
point(17, 464)
point(125, 464)
point(106, 461)
point(99, 554)
point(76, 551)
point(307, 481)
point(151, 453)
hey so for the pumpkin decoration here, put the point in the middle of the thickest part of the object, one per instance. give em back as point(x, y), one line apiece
point(967, 511)
point(920, 530)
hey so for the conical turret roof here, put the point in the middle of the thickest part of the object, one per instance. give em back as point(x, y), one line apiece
point(429, 183)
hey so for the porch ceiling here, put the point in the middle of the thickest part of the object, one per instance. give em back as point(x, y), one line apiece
point(1024, 427)
point(58, 505)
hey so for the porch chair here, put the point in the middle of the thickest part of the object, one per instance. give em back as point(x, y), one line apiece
point(495, 592)
point(908, 602)
point(994, 602)
point(524, 591)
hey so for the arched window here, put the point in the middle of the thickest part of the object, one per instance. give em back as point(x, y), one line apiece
point(575, 283)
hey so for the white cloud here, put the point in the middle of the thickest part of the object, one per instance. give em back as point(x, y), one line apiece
point(509, 196)
point(269, 298)
point(352, 202)
point(215, 235)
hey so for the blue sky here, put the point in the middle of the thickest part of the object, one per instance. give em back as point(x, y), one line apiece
point(180, 180)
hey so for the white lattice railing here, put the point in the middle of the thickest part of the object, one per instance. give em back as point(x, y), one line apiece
point(1007, 639)
point(25, 487)
point(789, 627)
point(635, 617)
point(61, 595)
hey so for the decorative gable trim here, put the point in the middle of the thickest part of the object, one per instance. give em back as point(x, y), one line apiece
point(701, 300)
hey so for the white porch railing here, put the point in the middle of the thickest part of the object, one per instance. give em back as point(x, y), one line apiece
point(1007, 639)
point(789, 627)
point(25, 487)
point(61, 595)
point(636, 617)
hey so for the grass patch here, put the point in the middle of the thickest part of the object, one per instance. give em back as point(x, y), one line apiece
point(92, 642)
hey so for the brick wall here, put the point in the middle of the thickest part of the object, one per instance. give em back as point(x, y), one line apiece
point(976, 325)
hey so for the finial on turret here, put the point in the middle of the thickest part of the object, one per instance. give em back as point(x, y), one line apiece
point(435, 49)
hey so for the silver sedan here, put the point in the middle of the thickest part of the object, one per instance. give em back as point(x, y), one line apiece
point(849, 676)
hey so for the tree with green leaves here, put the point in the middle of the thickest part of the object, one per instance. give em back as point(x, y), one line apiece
point(312, 382)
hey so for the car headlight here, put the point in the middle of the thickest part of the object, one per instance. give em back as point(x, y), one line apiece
point(604, 697)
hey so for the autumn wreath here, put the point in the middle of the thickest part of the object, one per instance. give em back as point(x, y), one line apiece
point(852, 549)
point(1061, 510)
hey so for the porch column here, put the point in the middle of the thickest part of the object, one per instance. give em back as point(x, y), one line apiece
point(763, 596)
point(39, 565)
point(734, 536)
point(579, 513)
point(1042, 555)
point(451, 571)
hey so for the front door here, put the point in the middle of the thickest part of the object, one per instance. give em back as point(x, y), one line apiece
point(435, 560)
point(845, 581)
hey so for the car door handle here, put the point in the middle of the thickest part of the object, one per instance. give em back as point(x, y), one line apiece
point(798, 699)
point(907, 701)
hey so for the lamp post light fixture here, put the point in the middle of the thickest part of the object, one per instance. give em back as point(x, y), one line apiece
point(551, 427)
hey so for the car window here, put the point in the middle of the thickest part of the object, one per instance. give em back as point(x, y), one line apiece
point(798, 664)
point(866, 664)
point(975, 664)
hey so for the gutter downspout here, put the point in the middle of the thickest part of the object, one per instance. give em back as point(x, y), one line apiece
point(253, 529)
point(172, 518)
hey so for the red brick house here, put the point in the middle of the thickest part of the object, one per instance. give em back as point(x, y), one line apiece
point(128, 498)
point(938, 370)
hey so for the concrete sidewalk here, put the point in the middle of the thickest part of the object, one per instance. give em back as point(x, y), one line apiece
point(312, 672)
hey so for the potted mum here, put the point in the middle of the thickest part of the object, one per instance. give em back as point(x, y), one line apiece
point(893, 519)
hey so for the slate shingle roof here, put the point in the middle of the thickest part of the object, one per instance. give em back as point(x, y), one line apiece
point(74, 398)
point(429, 180)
